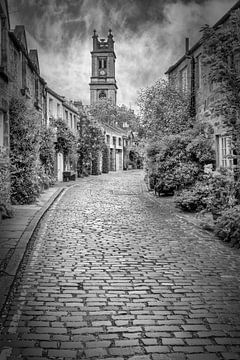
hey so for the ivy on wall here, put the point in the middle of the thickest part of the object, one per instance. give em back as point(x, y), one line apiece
point(31, 153)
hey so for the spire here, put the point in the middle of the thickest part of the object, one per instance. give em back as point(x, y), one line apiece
point(110, 39)
point(95, 39)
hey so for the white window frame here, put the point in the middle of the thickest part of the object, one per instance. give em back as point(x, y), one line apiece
point(184, 79)
point(225, 151)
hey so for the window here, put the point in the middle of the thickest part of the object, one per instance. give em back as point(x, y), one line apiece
point(108, 139)
point(36, 89)
point(71, 121)
point(114, 140)
point(74, 121)
point(198, 72)
point(102, 94)
point(225, 152)
point(50, 106)
point(237, 65)
point(119, 141)
point(3, 130)
point(24, 72)
point(102, 63)
point(183, 79)
point(58, 110)
point(66, 114)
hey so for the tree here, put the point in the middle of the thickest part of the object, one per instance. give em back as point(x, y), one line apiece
point(105, 112)
point(90, 142)
point(164, 110)
point(221, 59)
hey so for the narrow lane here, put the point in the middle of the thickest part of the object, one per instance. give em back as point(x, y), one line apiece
point(113, 274)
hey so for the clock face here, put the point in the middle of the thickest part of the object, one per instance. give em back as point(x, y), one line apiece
point(102, 72)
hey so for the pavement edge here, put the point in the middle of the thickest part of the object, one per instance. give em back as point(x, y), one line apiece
point(7, 280)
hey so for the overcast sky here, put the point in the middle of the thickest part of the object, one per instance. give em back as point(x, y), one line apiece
point(149, 37)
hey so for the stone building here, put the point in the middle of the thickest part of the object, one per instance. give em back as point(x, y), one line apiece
point(187, 75)
point(4, 103)
point(57, 107)
point(24, 70)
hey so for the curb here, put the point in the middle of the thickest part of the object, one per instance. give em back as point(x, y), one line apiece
point(7, 280)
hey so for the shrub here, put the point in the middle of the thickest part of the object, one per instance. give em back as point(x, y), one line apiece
point(227, 226)
point(222, 191)
point(106, 160)
point(5, 206)
point(177, 161)
point(194, 198)
point(47, 155)
point(216, 192)
point(25, 125)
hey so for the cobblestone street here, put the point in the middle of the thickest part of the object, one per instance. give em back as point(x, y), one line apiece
point(112, 273)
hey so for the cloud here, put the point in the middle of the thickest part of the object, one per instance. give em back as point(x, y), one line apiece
point(149, 37)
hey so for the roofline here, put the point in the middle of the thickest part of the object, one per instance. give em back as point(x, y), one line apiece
point(114, 128)
point(199, 43)
point(52, 92)
point(69, 107)
point(8, 17)
point(20, 47)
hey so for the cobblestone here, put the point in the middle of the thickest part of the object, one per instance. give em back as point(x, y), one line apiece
point(113, 274)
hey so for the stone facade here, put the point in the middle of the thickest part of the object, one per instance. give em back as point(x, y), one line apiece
point(114, 139)
point(187, 74)
point(57, 107)
point(25, 72)
point(4, 104)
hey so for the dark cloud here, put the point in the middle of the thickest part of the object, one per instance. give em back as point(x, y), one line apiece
point(149, 36)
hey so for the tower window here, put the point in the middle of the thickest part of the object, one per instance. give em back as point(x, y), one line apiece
point(102, 94)
point(102, 63)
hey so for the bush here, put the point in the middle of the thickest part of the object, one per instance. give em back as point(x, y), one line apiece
point(5, 205)
point(25, 125)
point(194, 198)
point(216, 192)
point(177, 161)
point(222, 192)
point(105, 159)
point(227, 226)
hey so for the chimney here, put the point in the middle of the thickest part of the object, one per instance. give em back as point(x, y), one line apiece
point(186, 45)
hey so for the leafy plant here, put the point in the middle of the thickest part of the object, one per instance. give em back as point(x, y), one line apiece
point(220, 57)
point(177, 161)
point(227, 226)
point(222, 192)
point(25, 125)
point(193, 199)
point(47, 155)
point(66, 141)
point(5, 205)
point(164, 110)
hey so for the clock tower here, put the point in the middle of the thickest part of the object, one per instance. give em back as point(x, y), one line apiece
point(103, 82)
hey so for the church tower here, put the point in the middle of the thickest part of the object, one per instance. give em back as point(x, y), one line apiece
point(103, 82)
